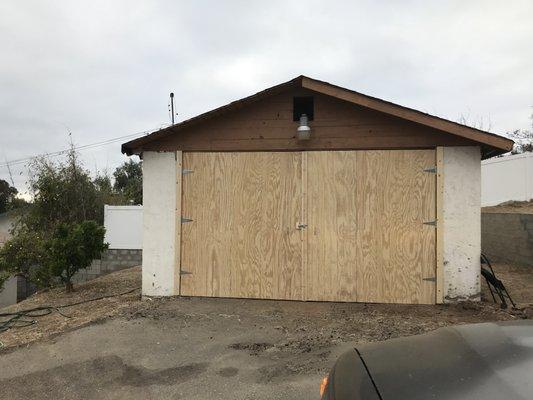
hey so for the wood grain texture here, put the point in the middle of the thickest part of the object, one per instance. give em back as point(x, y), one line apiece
point(177, 276)
point(243, 241)
point(407, 113)
point(303, 218)
point(332, 226)
point(396, 251)
point(267, 125)
point(249, 131)
point(365, 239)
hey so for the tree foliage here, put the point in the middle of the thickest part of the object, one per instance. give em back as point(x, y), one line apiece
point(63, 193)
point(23, 255)
point(7, 196)
point(128, 181)
point(73, 247)
point(46, 259)
point(523, 139)
point(61, 231)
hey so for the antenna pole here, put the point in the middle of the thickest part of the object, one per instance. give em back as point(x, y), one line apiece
point(172, 106)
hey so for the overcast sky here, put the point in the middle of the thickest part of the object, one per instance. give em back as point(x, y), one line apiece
point(104, 69)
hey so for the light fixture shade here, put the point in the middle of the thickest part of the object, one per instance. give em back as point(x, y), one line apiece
point(304, 130)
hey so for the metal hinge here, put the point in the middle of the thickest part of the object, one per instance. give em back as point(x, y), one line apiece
point(430, 279)
point(185, 272)
point(185, 171)
point(432, 170)
point(432, 223)
point(184, 220)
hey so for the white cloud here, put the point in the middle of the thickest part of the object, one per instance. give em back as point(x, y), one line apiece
point(105, 68)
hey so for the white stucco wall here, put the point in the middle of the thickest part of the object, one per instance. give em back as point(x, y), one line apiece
point(123, 227)
point(507, 178)
point(159, 224)
point(461, 222)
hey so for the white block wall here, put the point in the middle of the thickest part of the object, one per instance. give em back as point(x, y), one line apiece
point(123, 227)
point(507, 178)
point(159, 224)
point(462, 223)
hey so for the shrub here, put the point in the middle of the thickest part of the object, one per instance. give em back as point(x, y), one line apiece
point(73, 247)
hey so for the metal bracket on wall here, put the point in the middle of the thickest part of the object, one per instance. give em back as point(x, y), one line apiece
point(430, 279)
point(185, 171)
point(184, 220)
point(432, 223)
point(432, 170)
point(185, 272)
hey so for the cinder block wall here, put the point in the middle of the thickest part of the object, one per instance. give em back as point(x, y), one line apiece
point(112, 260)
point(507, 237)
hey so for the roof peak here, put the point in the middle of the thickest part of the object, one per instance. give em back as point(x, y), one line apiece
point(497, 144)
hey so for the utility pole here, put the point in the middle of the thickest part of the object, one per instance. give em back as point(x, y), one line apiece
point(172, 106)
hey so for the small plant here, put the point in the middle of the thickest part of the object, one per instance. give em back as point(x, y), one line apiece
point(23, 255)
point(74, 247)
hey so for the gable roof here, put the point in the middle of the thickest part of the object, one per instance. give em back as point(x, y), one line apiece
point(492, 144)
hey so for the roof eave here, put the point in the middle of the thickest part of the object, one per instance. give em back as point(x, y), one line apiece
point(135, 146)
point(483, 137)
point(498, 144)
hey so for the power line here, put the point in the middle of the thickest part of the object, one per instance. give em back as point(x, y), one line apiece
point(8, 164)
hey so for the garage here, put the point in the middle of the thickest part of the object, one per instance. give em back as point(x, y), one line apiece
point(308, 191)
point(325, 225)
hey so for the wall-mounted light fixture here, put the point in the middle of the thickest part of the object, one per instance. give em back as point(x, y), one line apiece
point(304, 130)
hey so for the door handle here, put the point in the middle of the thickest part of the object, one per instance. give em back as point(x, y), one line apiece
point(300, 226)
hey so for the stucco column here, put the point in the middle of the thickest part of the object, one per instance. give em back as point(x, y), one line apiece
point(159, 224)
point(461, 212)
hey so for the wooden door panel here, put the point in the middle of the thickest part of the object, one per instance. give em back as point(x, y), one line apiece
point(243, 241)
point(332, 226)
point(396, 250)
point(366, 237)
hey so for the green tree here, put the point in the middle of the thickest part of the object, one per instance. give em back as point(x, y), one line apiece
point(129, 181)
point(73, 247)
point(23, 255)
point(7, 195)
point(105, 191)
point(63, 192)
point(60, 232)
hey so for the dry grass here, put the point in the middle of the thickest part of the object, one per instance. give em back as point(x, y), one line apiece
point(79, 315)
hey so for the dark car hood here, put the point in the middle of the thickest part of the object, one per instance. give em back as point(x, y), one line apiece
point(478, 361)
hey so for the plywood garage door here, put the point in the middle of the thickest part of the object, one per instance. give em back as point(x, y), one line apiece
point(243, 240)
point(365, 239)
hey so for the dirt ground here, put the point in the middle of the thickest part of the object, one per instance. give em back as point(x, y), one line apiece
point(78, 316)
point(198, 348)
point(519, 207)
